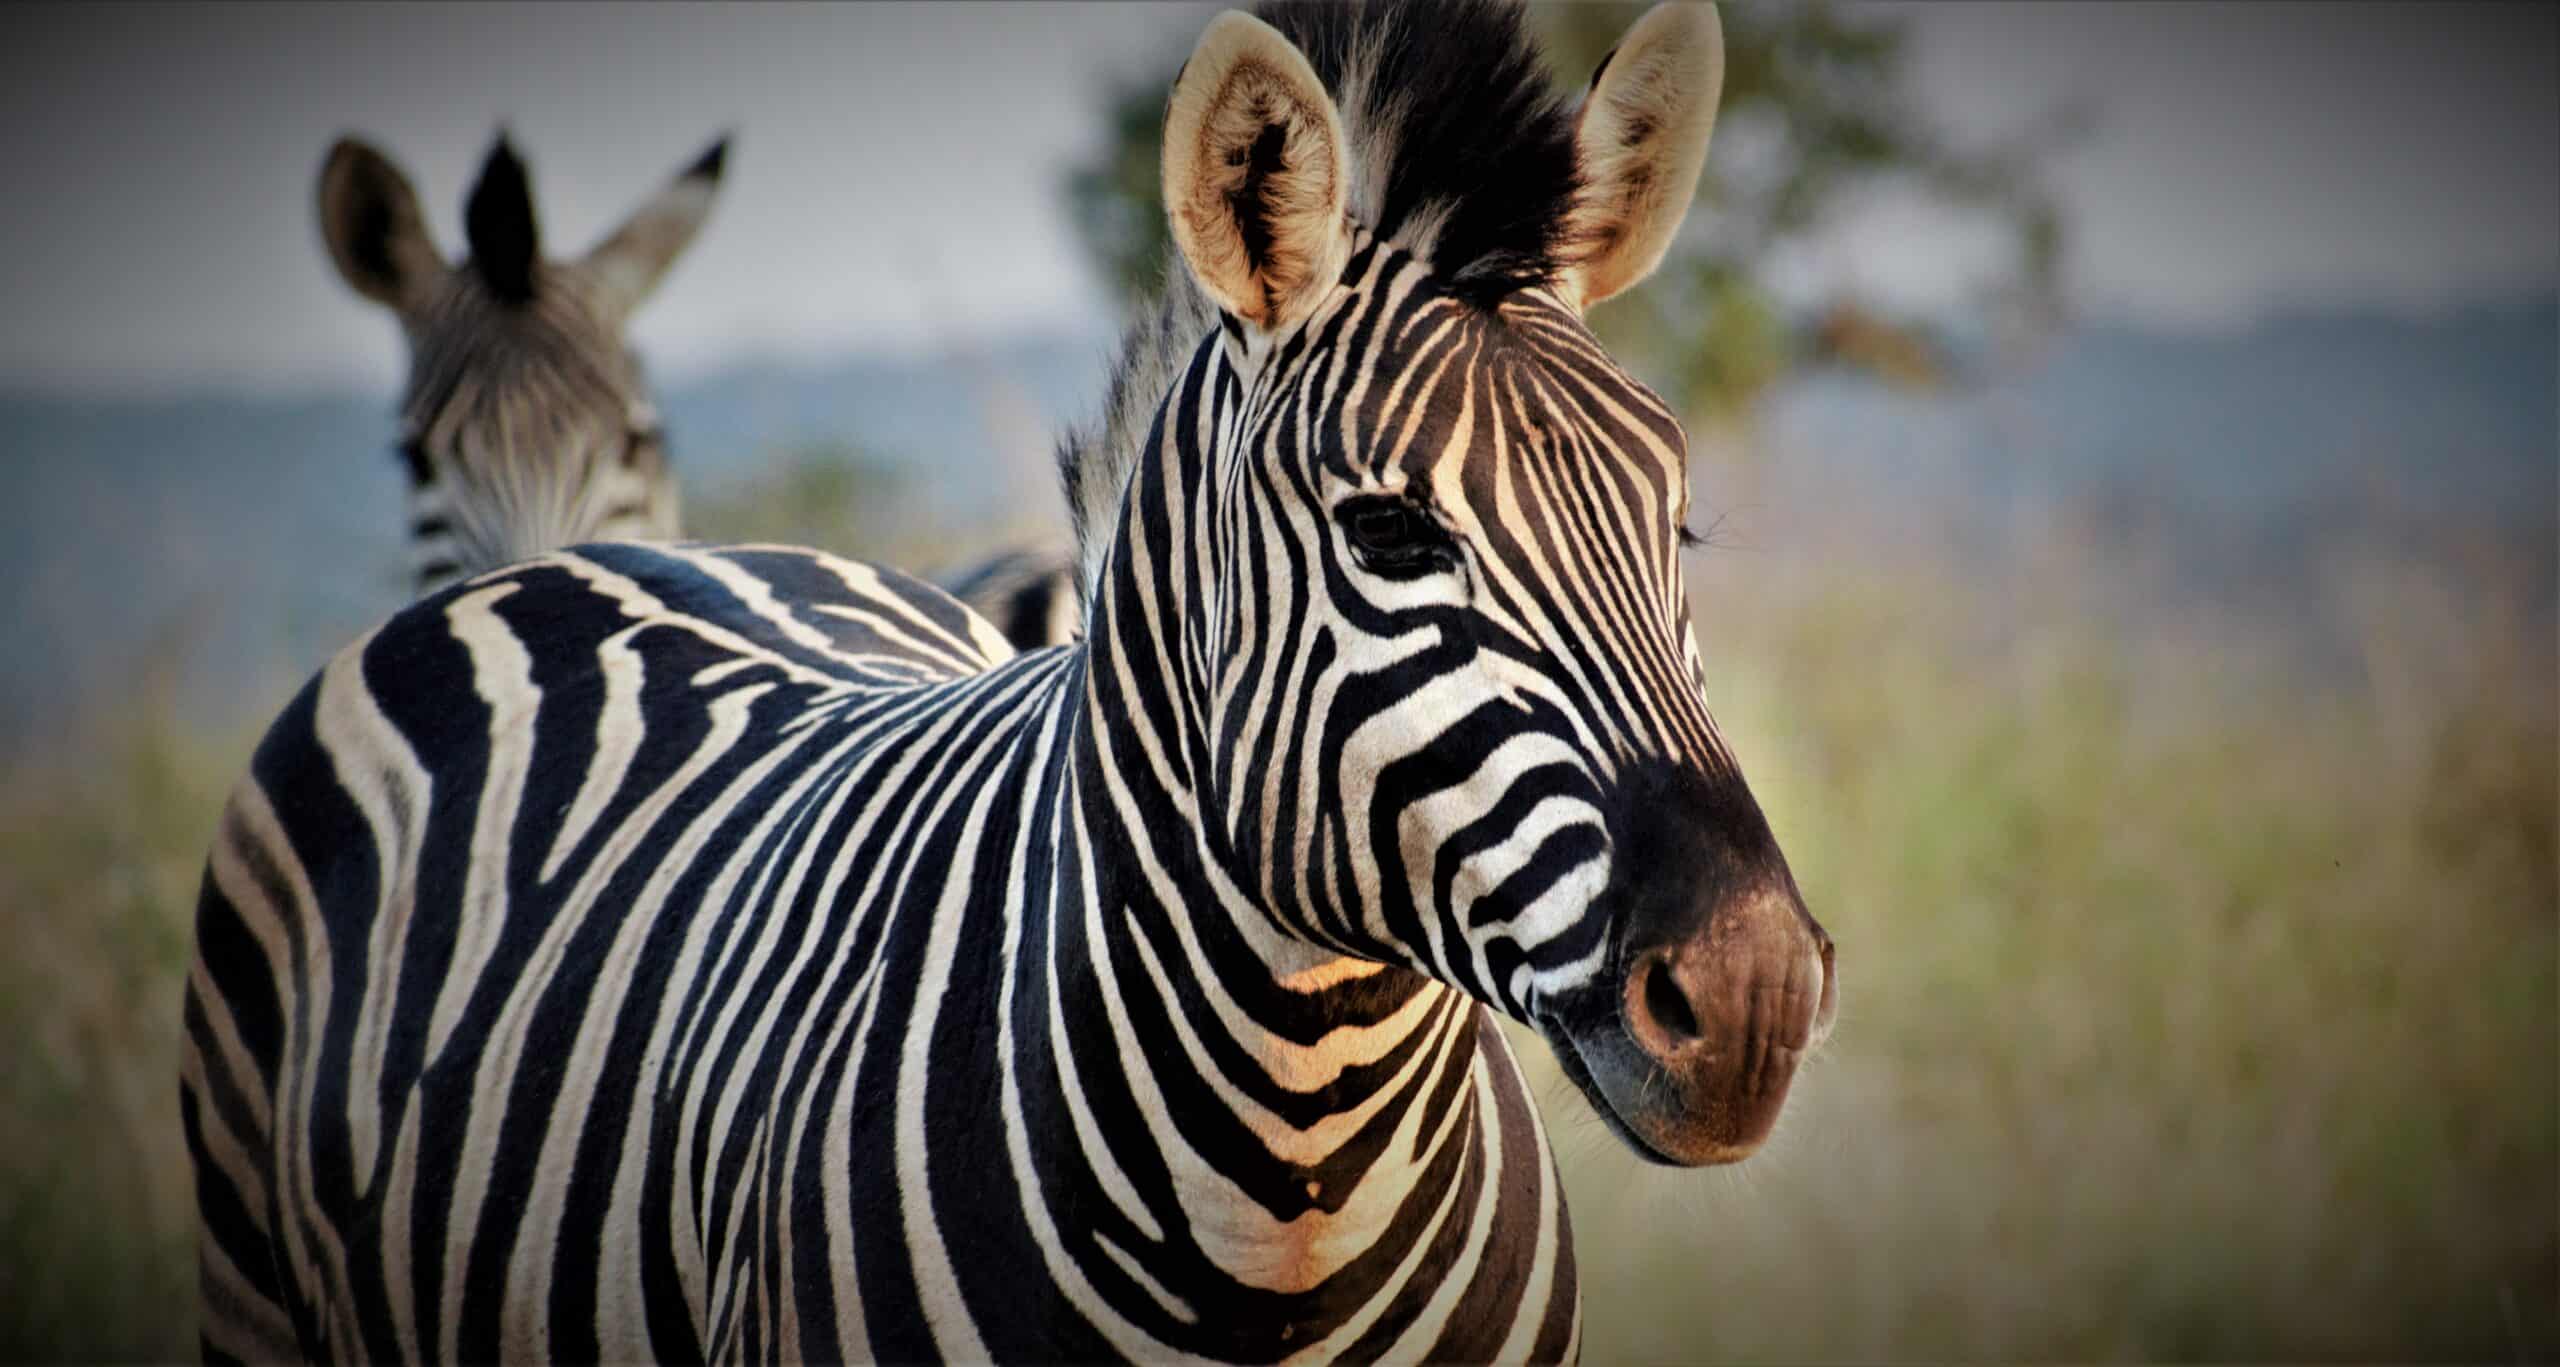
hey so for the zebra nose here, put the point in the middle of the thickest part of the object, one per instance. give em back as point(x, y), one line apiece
point(1667, 992)
point(1722, 1014)
point(1756, 973)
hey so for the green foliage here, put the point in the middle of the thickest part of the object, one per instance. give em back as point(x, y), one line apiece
point(827, 494)
point(99, 857)
point(1817, 115)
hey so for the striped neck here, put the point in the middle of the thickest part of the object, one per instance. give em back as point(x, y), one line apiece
point(1269, 1140)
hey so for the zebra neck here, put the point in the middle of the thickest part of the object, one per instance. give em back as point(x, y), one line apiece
point(1262, 1117)
point(1259, 1120)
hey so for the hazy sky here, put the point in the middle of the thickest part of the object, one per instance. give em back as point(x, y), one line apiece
point(895, 181)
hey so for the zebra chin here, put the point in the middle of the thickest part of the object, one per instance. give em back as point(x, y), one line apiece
point(1719, 982)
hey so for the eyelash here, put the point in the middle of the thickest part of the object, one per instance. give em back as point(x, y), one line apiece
point(1393, 536)
point(1428, 544)
point(413, 460)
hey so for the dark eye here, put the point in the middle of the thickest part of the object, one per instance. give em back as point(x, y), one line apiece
point(413, 458)
point(636, 444)
point(1393, 536)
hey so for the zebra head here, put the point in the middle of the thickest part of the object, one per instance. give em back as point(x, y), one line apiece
point(1429, 529)
point(527, 424)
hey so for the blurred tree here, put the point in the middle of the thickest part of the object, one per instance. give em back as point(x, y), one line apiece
point(1817, 117)
point(822, 492)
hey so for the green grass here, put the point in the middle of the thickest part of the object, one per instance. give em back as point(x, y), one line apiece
point(2193, 1008)
point(100, 848)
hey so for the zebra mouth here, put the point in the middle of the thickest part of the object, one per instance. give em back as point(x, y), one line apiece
point(1569, 1059)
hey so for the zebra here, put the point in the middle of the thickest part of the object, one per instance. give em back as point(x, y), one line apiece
point(528, 423)
point(685, 951)
point(1028, 592)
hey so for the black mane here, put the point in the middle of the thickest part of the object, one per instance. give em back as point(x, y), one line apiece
point(1463, 151)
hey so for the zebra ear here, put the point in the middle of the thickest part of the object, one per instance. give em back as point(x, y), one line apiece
point(629, 264)
point(1255, 175)
point(506, 244)
point(1642, 140)
point(369, 217)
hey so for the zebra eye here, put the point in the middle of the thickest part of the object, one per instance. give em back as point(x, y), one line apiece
point(1393, 536)
point(413, 458)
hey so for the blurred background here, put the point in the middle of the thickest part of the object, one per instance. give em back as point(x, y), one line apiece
point(2129, 434)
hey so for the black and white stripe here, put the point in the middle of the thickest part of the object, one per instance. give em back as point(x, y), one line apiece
point(668, 952)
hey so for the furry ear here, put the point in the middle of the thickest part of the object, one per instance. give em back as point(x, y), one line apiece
point(629, 263)
point(369, 217)
point(506, 245)
point(1255, 174)
point(1641, 141)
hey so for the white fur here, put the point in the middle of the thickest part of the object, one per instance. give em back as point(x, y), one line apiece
point(1642, 140)
point(1243, 78)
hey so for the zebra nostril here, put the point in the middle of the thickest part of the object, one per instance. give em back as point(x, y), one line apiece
point(1667, 1004)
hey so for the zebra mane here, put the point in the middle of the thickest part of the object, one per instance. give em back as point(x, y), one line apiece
point(1461, 152)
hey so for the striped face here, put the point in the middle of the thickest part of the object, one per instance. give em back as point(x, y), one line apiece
point(1444, 557)
point(526, 428)
point(1452, 715)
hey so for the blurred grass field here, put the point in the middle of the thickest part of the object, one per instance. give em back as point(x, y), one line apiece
point(2196, 1005)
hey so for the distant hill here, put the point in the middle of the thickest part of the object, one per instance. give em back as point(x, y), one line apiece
point(2239, 460)
point(243, 539)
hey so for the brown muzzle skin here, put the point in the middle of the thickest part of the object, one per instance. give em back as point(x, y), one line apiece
point(1718, 981)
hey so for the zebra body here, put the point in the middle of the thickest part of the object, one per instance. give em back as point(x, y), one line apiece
point(678, 951)
point(767, 1097)
point(1029, 593)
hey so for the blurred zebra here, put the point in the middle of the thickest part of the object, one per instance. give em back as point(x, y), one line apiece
point(669, 952)
point(527, 424)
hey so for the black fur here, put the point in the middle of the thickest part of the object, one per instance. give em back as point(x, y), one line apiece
point(369, 242)
point(710, 164)
point(1458, 103)
point(1253, 217)
point(505, 245)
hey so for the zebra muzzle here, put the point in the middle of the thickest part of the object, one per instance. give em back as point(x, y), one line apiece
point(1719, 979)
point(1722, 982)
point(1718, 1022)
point(1690, 1050)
